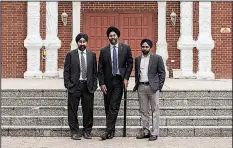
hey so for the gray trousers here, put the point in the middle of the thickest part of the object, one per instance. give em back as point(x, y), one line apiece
point(148, 97)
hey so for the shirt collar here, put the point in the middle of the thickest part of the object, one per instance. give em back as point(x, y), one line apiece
point(146, 56)
point(111, 46)
point(84, 51)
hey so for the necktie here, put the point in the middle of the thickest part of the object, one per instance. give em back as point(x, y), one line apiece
point(83, 66)
point(114, 69)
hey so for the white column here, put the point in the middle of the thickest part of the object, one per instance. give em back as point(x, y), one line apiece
point(52, 42)
point(186, 42)
point(33, 41)
point(205, 43)
point(75, 23)
point(161, 45)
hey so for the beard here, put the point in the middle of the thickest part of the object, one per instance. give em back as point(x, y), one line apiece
point(145, 52)
point(113, 41)
point(82, 47)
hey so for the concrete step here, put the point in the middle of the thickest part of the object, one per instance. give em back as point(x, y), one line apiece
point(131, 120)
point(132, 131)
point(62, 101)
point(131, 111)
point(130, 94)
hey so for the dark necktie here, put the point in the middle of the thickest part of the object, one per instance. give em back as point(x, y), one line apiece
point(83, 66)
point(114, 69)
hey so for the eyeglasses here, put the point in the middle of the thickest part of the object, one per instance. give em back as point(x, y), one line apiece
point(145, 46)
point(82, 41)
point(114, 35)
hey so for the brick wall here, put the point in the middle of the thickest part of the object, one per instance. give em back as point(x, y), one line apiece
point(14, 52)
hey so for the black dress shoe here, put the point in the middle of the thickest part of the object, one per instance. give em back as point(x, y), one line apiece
point(105, 136)
point(153, 137)
point(143, 135)
point(87, 136)
point(111, 135)
point(75, 137)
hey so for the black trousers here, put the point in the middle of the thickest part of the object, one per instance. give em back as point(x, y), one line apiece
point(112, 101)
point(87, 100)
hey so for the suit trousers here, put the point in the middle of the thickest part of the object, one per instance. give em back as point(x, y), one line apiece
point(112, 101)
point(87, 102)
point(148, 97)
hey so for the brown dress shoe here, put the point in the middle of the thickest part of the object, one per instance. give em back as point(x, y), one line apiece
point(153, 137)
point(75, 137)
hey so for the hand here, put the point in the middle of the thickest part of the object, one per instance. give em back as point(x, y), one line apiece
point(126, 83)
point(103, 89)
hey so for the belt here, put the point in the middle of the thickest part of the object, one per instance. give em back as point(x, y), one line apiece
point(83, 81)
point(146, 83)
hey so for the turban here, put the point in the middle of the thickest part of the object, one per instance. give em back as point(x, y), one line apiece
point(81, 35)
point(148, 41)
point(113, 29)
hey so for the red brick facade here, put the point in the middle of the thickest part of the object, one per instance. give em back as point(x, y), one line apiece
point(14, 32)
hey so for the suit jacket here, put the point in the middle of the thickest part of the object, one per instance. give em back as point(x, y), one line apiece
point(72, 71)
point(125, 64)
point(156, 72)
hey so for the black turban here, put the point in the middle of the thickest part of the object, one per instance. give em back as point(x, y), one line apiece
point(81, 35)
point(148, 41)
point(113, 29)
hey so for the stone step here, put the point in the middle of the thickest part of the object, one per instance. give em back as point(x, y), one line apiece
point(131, 131)
point(131, 120)
point(131, 111)
point(62, 101)
point(130, 94)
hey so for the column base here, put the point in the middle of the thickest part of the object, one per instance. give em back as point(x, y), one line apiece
point(50, 74)
point(205, 75)
point(178, 74)
point(33, 75)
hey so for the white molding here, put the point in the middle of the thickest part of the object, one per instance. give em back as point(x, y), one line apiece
point(76, 11)
point(205, 43)
point(52, 43)
point(186, 43)
point(161, 45)
point(33, 41)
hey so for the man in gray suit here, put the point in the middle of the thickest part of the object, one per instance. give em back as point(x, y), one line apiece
point(80, 78)
point(149, 80)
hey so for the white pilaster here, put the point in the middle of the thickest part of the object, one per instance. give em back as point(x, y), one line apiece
point(33, 41)
point(52, 42)
point(205, 43)
point(161, 45)
point(186, 42)
point(76, 7)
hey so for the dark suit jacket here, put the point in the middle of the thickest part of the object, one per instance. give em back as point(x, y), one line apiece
point(125, 64)
point(156, 72)
point(72, 71)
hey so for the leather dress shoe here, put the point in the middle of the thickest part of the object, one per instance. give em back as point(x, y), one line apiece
point(75, 137)
point(111, 135)
point(105, 135)
point(153, 137)
point(87, 136)
point(143, 135)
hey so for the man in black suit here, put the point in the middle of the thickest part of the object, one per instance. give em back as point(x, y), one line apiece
point(149, 80)
point(114, 69)
point(80, 78)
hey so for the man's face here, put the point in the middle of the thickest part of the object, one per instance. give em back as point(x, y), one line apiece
point(82, 44)
point(145, 48)
point(113, 38)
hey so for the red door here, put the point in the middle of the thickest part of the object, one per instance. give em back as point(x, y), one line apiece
point(134, 27)
point(96, 25)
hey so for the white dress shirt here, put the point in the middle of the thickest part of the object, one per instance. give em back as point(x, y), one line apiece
point(144, 68)
point(85, 57)
point(111, 49)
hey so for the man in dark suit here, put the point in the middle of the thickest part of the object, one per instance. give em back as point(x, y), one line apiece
point(114, 69)
point(80, 78)
point(149, 80)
